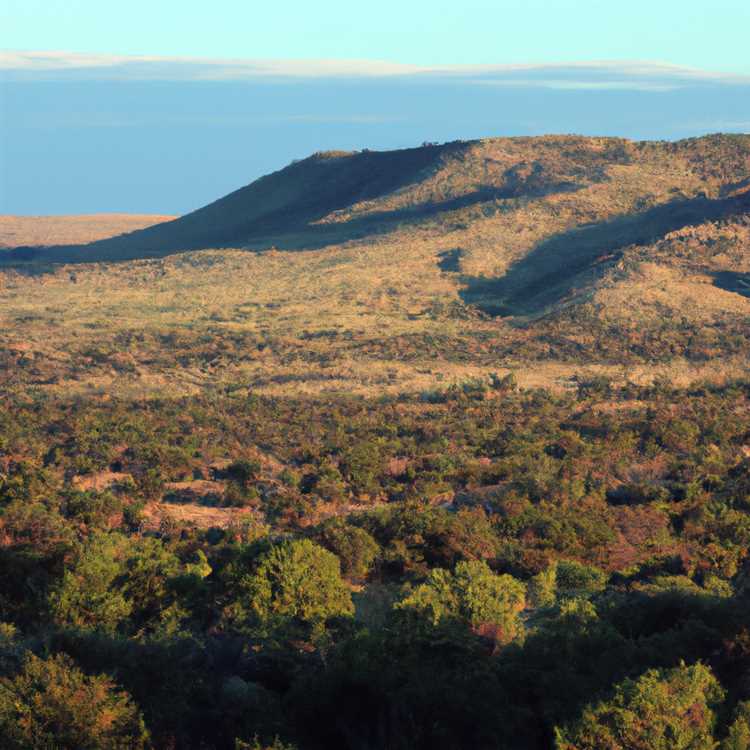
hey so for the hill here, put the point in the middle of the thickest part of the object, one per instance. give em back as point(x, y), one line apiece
point(566, 182)
point(539, 256)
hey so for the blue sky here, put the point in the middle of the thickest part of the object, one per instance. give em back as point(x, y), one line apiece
point(710, 35)
point(161, 106)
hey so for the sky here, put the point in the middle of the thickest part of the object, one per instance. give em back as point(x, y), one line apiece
point(710, 35)
point(163, 106)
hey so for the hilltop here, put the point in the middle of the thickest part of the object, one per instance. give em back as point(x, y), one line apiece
point(378, 271)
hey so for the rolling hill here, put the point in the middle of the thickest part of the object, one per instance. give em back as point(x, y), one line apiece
point(540, 256)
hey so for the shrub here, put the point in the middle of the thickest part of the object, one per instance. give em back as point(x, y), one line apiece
point(295, 582)
point(661, 710)
point(52, 704)
point(355, 548)
point(472, 594)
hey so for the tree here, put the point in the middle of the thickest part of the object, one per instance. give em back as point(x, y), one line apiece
point(116, 583)
point(52, 704)
point(487, 602)
point(355, 548)
point(361, 466)
point(294, 582)
point(661, 710)
point(465, 535)
point(86, 597)
point(543, 587)
point(738, 737)
point(576, 579)
point(149, 573)
point(95, 509)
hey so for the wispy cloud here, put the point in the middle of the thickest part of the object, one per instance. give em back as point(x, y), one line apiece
point(71, 65)
point(61, 66)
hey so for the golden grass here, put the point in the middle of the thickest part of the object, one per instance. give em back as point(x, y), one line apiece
point(201, 516)
point(379, 315)
point(320, 308)
point(70, 230)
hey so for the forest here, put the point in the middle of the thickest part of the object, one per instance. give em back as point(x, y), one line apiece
point(477, 565)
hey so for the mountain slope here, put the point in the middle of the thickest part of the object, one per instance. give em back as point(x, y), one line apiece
point(285, 202)
point(547, 257)
point(335, 196)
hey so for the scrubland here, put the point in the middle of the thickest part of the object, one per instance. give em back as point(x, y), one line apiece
point(440, 448)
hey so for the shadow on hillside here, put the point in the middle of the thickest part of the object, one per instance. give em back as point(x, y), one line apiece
point(279, 229)
point(556, 266)
point(279, 209)
point(731, 281)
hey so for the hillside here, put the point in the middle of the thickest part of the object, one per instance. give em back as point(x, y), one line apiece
point(558, 182)
point(420, 267)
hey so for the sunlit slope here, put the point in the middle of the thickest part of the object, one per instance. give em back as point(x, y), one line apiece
point(548, 257)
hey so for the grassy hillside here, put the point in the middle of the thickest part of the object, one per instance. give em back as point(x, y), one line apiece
point(285, 203)
point(540, 256)
point(336, 196)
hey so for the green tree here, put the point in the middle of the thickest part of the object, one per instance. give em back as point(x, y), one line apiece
point(361, 466)
point(473, 594)
point(661, 710)
point(294, 582)
point(88, 596)
point(50, 703)
point(95, 509)
point(117, 583)
point(355, 548)
point(149, 572)
point(738, 737)
point(576, 579)
point(543, 587)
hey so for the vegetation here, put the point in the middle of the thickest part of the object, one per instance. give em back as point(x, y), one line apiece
point(331, 499)
point(598, 537)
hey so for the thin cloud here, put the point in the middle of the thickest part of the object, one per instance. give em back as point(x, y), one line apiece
point(62, 66)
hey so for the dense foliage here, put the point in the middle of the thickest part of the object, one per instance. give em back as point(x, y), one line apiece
point(475, 567)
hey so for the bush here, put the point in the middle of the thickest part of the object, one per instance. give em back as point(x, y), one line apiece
point(52, 704)
point(355, 548)
point(576, 579)
point(473, 594)
point(678, 705)
point(294, 583)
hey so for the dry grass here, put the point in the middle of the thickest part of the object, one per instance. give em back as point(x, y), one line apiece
point(70, 230)
point(201, 516)
point(320, 312)
point(379, 314)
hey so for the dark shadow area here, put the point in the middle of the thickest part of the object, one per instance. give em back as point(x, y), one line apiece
point(450, 260)
point(552, 270)
point(730, 281)
point(285, 204)
point(281, 210)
